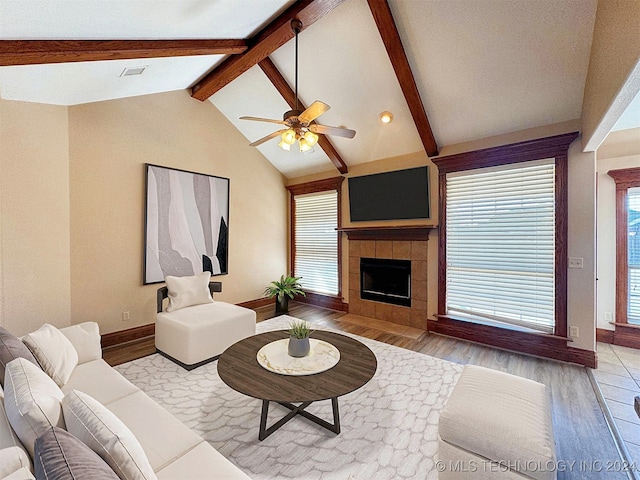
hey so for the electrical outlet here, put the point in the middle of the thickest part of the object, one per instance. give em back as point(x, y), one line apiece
point(608, 317)
point(576, 262)
point(126, 316)
point(574, 332)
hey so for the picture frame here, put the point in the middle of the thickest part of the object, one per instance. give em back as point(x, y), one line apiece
point(186, 223)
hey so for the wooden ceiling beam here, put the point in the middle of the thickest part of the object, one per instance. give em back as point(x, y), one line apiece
point(274, 75)
point(31, 52)
point(392, 42)
point(267, 41)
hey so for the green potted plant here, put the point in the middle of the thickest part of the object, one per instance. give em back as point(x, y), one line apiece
point(284, 289)
point(299, 332)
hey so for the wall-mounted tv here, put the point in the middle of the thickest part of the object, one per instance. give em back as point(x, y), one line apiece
point(403, 194)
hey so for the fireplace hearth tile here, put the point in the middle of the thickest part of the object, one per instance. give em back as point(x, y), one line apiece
point(384, 311)
point(402, 315)
point(419, 251)
point(419, 269)
point(354, 267)
point(418, 289)
point(418, 319)
point(368, 309)
point(401, 250)
point(367, 249)
point(354, 248)
point(384, 249)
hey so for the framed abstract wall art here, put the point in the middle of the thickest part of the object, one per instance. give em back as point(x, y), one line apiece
point(186, 224)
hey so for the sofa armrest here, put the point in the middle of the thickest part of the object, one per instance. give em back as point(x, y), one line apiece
point(85, 338)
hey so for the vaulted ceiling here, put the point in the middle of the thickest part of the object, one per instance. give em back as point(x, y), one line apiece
point(449, 71)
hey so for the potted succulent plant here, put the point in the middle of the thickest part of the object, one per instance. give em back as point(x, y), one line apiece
point(299, 332)
point(284, 289)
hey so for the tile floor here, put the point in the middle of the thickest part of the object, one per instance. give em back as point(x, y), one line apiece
point(618, 376)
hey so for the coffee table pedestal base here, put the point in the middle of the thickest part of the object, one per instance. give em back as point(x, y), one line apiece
point(297, 410)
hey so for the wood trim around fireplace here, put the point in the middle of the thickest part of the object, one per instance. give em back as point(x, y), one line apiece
point(408, 232)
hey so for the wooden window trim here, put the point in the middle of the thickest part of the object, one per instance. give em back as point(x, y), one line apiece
point(552, 346)
point(325, 185)
point(624, 179)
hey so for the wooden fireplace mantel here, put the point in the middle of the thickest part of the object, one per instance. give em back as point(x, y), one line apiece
point(407, 232)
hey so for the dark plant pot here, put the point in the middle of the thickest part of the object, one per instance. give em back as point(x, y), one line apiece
point(298, 347)
point(282, 306)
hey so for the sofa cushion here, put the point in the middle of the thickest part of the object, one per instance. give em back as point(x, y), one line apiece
point(106, 435)
point(32, 401)
point(85, 338)
point(187, 291)
point(202, 463)
point(54, 352)
point(61, 456)
point(99, 380)
point(11, 347)
point(13, 459)
point(162, 436)
point(22, 474)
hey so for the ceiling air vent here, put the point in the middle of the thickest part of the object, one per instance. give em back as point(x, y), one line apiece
point(130, 71)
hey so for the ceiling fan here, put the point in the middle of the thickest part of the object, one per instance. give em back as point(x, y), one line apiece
point(300, 124)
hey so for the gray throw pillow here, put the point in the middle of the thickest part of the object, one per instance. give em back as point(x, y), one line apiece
point(61, 456)
point(11, 347)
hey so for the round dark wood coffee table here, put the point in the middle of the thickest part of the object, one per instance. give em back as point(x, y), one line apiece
point(238, 367)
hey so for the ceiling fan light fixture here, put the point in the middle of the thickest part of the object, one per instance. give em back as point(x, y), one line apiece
point(311, 138)
point(289, 137)
point(304, 145)
point(284, 145)
point(386, 117)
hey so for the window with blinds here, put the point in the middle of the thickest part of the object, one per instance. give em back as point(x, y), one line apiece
point(500, 244)
point(316, 241)
point(633, 255)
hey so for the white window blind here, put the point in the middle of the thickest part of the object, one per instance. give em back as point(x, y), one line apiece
point(633, 257)
point(316, 241)
point(500, 227)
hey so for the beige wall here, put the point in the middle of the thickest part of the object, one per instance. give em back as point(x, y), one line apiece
point(109, 144)
point(615, 53)
point(620, 150)
point(34, 216)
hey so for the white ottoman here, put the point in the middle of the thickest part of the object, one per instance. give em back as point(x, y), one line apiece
point(198, 334)
point(496, 425)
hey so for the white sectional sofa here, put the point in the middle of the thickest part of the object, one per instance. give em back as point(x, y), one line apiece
point(173, 450)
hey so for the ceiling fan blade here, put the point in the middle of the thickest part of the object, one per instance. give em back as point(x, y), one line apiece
point(258, 119)
point(314, 110)
point(267, 138)
point(325, 130)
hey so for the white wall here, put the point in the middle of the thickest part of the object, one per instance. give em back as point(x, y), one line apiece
point(581, 283)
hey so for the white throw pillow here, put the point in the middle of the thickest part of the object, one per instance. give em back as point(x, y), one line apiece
point(105, 434)
point(23, 474)
point(188, 291)
point(31, 400)
point(85, 338)
point(54, 352)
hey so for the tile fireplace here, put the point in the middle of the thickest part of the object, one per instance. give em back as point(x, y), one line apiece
point(414, 254)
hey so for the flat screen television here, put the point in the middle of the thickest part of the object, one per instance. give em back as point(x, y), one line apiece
point(403, 194)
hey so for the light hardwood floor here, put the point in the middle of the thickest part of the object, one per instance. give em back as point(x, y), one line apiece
point(585, 446)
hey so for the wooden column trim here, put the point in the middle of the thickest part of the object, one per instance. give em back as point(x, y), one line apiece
point(267, 41)
point(32, 52)
point(393, 44)
point(278, 81)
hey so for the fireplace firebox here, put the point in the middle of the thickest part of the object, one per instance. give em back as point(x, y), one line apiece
point(386, 280)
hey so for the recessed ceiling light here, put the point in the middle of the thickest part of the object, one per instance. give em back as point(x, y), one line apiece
point(386, 117)
point(131, 71)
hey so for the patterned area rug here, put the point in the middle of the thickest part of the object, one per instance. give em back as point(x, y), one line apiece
point(389, 426)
